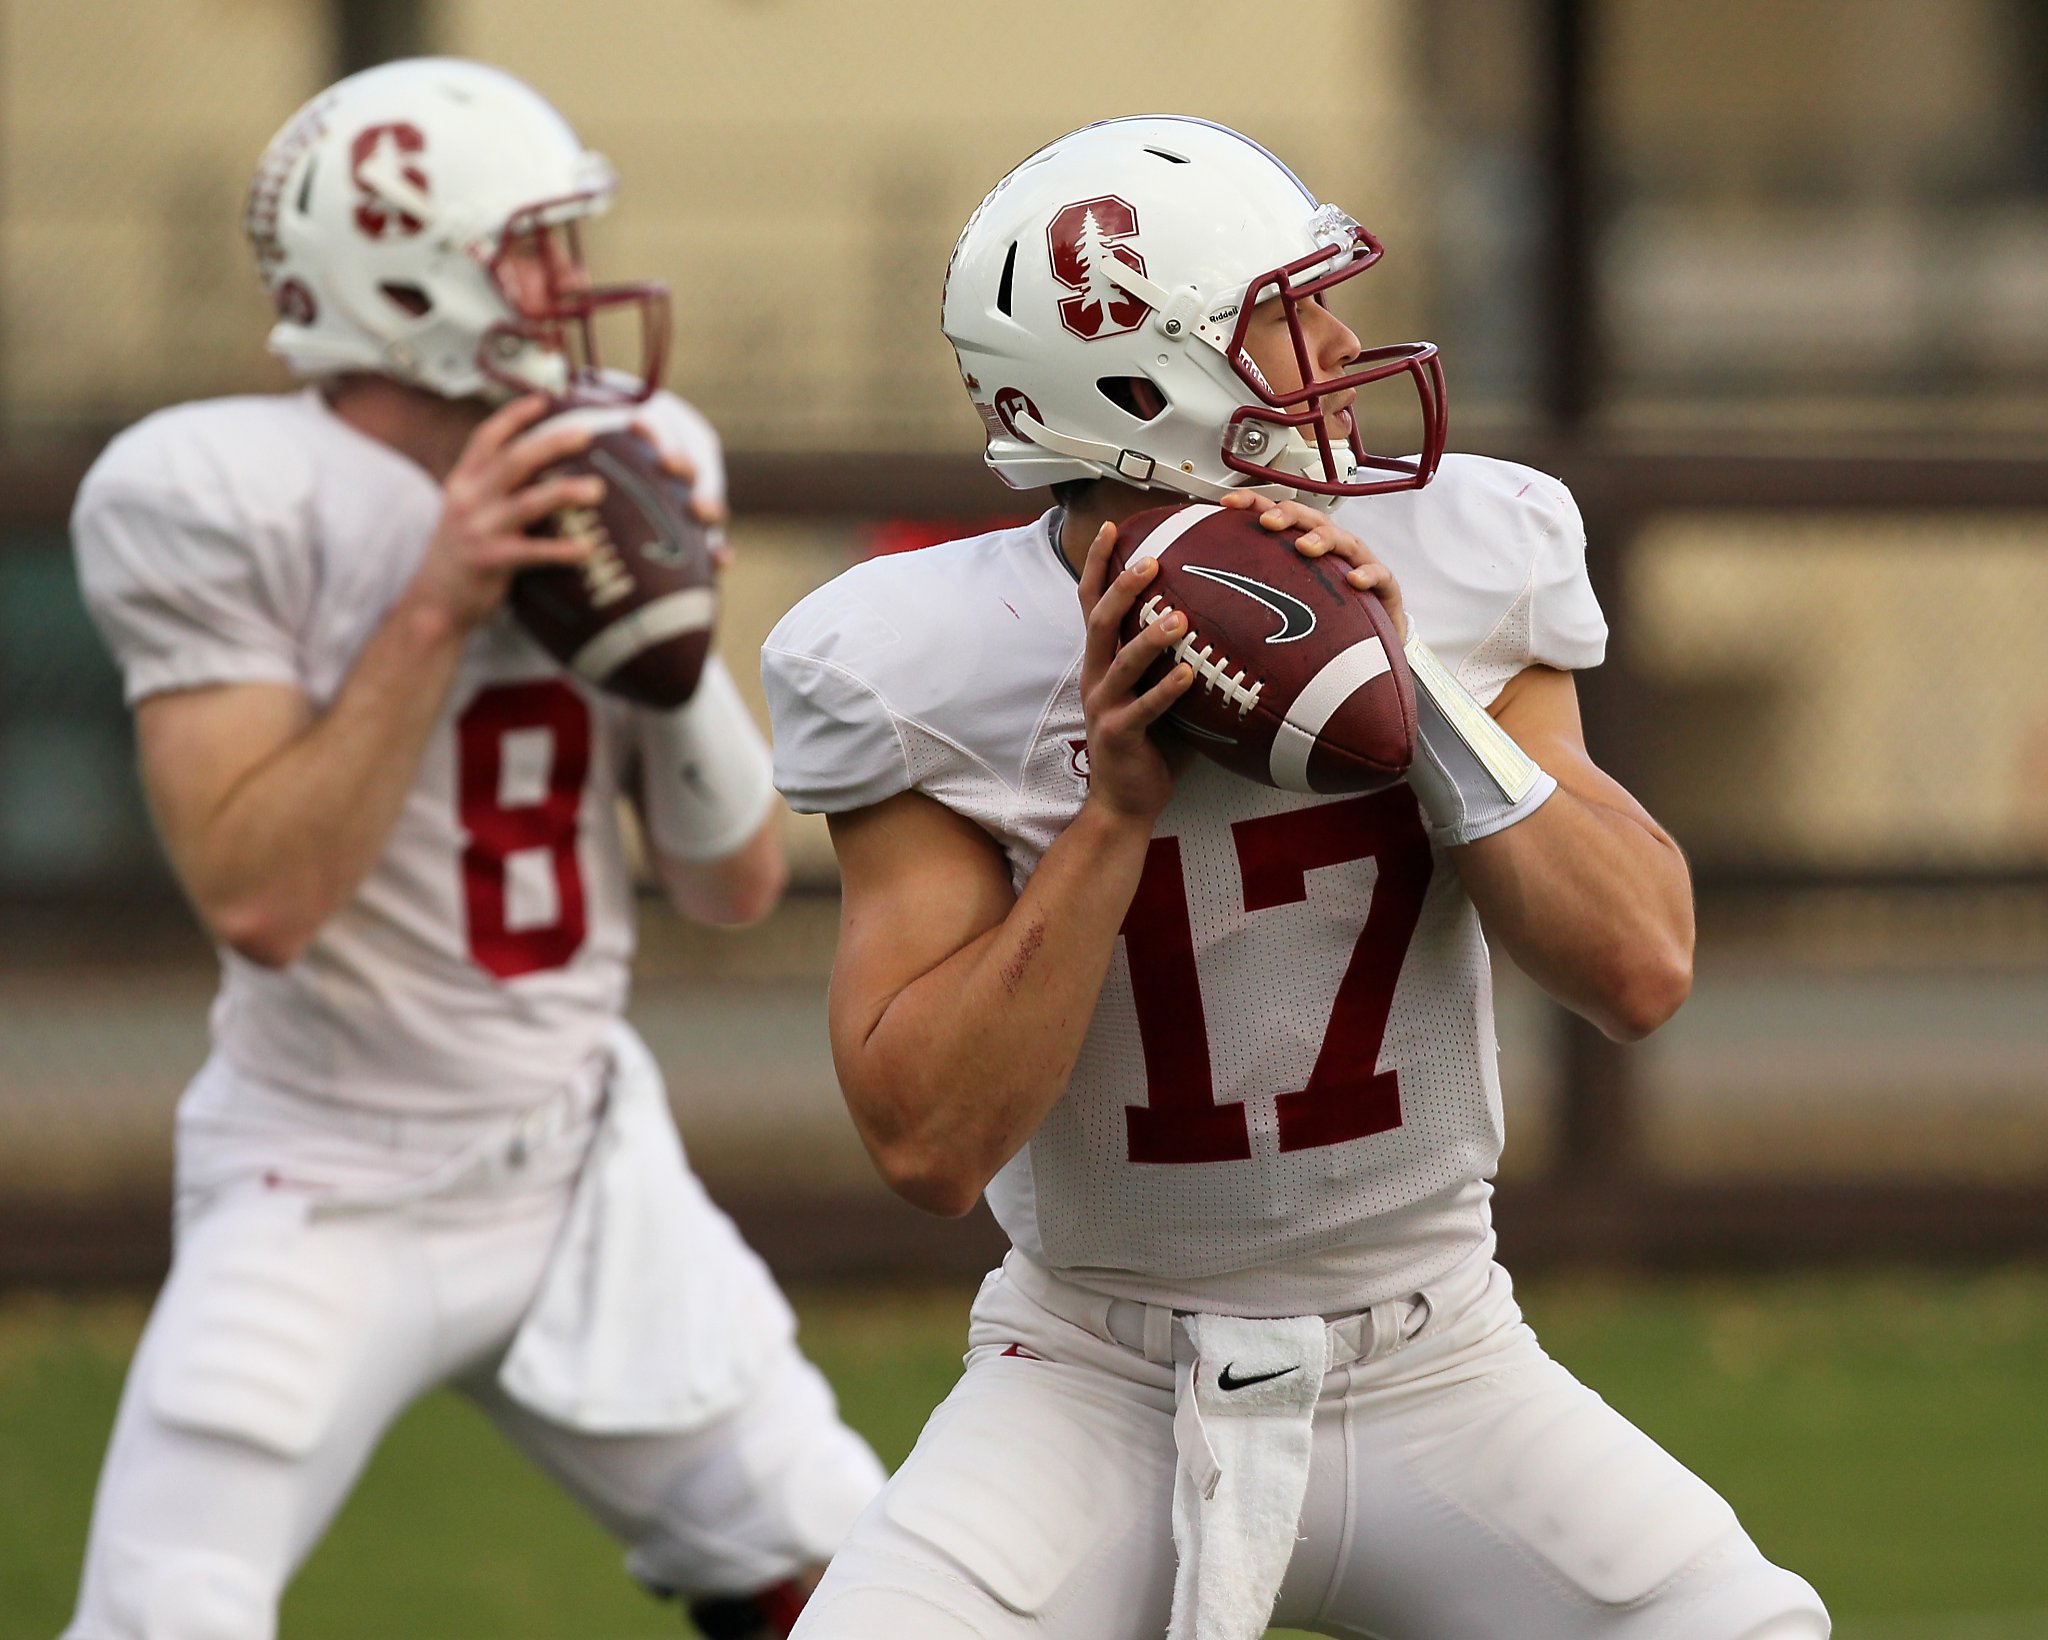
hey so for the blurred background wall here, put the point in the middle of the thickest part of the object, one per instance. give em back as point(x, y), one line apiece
point(1767, 280)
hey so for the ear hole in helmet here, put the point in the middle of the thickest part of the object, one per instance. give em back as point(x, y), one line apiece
point(1003, 284)
point(1135, 396)
point(408, 298)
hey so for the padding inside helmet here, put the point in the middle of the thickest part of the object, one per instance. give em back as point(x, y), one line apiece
point(408, 299)
point(1003, 284)
point(1135, 396)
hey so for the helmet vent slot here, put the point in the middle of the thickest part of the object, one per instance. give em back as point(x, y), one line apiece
point(1003, 284)
point(305, 199)
point(1135, 396)
point(1171, 159)
point(408, 298)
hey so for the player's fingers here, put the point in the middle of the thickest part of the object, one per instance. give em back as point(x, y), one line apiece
point(515, 551)
point(1095, 567)
point(709, 510)
point(1137, 657)
point(1240, 499)
point(673, 461)
point(1106, 618)
point(1157, 701)
point(497, 429)
point(529, 506)
point(1294, 515)
point(532, 452)
point(1377, 579)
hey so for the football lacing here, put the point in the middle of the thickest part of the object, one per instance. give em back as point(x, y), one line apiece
point(1212, 671)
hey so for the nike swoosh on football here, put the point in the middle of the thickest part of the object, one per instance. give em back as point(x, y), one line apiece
point(1224, 1381)
point(1297, 620)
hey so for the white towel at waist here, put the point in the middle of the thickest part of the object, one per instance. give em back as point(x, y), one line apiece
point(1244, 1411)
point(652, 1316)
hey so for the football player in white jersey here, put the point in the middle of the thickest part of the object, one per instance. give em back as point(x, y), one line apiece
point(1221, 1055)
point(425, 1148)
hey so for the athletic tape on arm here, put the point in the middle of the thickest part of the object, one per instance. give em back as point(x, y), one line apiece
point(708, 783)
point(1469, 775)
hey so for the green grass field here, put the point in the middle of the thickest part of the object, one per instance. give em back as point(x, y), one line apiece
point(1885, 1435)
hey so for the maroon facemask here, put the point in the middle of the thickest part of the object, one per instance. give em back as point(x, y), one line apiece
point(1247, 437)
point(564, 320)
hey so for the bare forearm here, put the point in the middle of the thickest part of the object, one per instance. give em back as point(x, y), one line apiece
point(964, 1063)
point(734, 889)
point(294, 837)
point(1594, 903)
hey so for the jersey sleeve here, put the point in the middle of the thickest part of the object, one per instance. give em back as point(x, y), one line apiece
point(1552, 617)
point(837, 744)
point(1566, 628)
point(185, 596)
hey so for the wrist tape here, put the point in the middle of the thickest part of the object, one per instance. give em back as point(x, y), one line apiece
point(707, 784)
point(1469, 775)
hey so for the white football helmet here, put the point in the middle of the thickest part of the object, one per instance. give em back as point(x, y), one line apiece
point(382, 214)
point(1134, 251)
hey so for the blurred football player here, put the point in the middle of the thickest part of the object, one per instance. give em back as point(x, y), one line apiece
point(425, 1148)
point(1222, 1055)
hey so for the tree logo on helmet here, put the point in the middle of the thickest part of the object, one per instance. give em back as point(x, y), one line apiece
point(1083, 237)
point(378, 158)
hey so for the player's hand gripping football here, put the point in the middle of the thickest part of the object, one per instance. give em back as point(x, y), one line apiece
point(1129, 772)
point(709, 511)
point(489, 499)
point(1368, 574)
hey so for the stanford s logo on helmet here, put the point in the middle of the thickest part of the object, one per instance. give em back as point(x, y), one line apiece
point(1120, 349)
point(1081, 238)
point(419, 220)
point(383, 151)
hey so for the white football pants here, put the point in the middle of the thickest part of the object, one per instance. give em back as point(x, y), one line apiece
point(1462, 1486)
point(282, 1347)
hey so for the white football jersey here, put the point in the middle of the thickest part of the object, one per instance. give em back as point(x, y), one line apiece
point(1287, 1100)
point(263, 540)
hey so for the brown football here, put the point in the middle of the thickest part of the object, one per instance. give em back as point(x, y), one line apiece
point(635, 617)
point(1300, 682)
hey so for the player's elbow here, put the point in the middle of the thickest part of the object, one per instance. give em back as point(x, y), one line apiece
point(732, 892)
point(930, 1182)
point(752, 894)
point(917, 1159)
point(258, 933)
point(1646, 991)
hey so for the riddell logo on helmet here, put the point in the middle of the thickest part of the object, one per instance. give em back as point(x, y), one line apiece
point(1082, 238)
point(386, 149)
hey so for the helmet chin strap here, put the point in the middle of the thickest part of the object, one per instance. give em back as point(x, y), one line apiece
point(1302, 456)
point(1134, 466)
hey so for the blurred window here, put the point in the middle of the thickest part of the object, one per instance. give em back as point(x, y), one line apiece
point(71, 811)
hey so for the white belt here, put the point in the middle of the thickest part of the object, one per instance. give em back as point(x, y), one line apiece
point(1150, 1330)
point(478, 1166)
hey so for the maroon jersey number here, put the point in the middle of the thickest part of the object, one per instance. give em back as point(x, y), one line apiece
point(1348, 1096)
point(498, 829)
